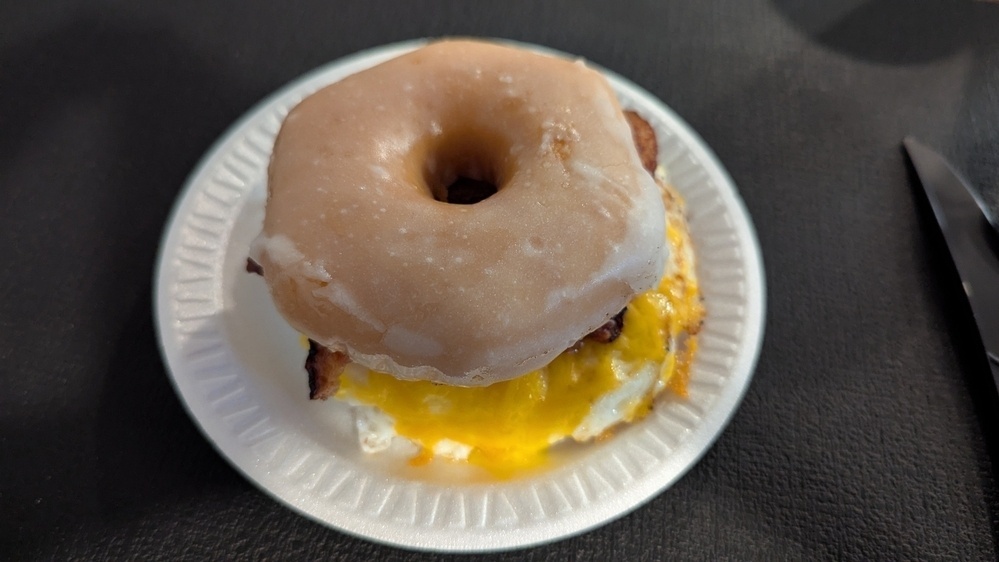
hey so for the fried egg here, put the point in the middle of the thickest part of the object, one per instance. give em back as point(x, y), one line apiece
point(581, 395)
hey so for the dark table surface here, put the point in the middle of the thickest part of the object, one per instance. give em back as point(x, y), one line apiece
point(869, 431)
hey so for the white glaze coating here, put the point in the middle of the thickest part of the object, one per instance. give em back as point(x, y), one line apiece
point(360, 257)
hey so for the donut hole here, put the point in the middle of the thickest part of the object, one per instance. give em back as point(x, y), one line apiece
point(468, 191)
point(466, 167)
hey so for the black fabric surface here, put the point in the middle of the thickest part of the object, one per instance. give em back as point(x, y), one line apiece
point(870, 430)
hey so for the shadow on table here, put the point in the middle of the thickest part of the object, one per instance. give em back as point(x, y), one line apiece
point(902, 32)
point(884, 31)
point(883, 408)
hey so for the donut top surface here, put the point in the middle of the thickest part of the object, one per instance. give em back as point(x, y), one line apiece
point(363, 254)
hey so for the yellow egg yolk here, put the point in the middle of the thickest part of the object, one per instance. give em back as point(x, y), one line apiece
point(511, 425)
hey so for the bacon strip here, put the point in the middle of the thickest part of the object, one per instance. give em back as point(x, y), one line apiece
point(324, 368)
point(644, 137)
point(610, 331)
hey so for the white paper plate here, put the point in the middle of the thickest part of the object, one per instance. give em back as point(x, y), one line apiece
point(238, 367)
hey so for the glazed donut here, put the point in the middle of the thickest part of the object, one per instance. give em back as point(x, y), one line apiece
point(363, 254)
